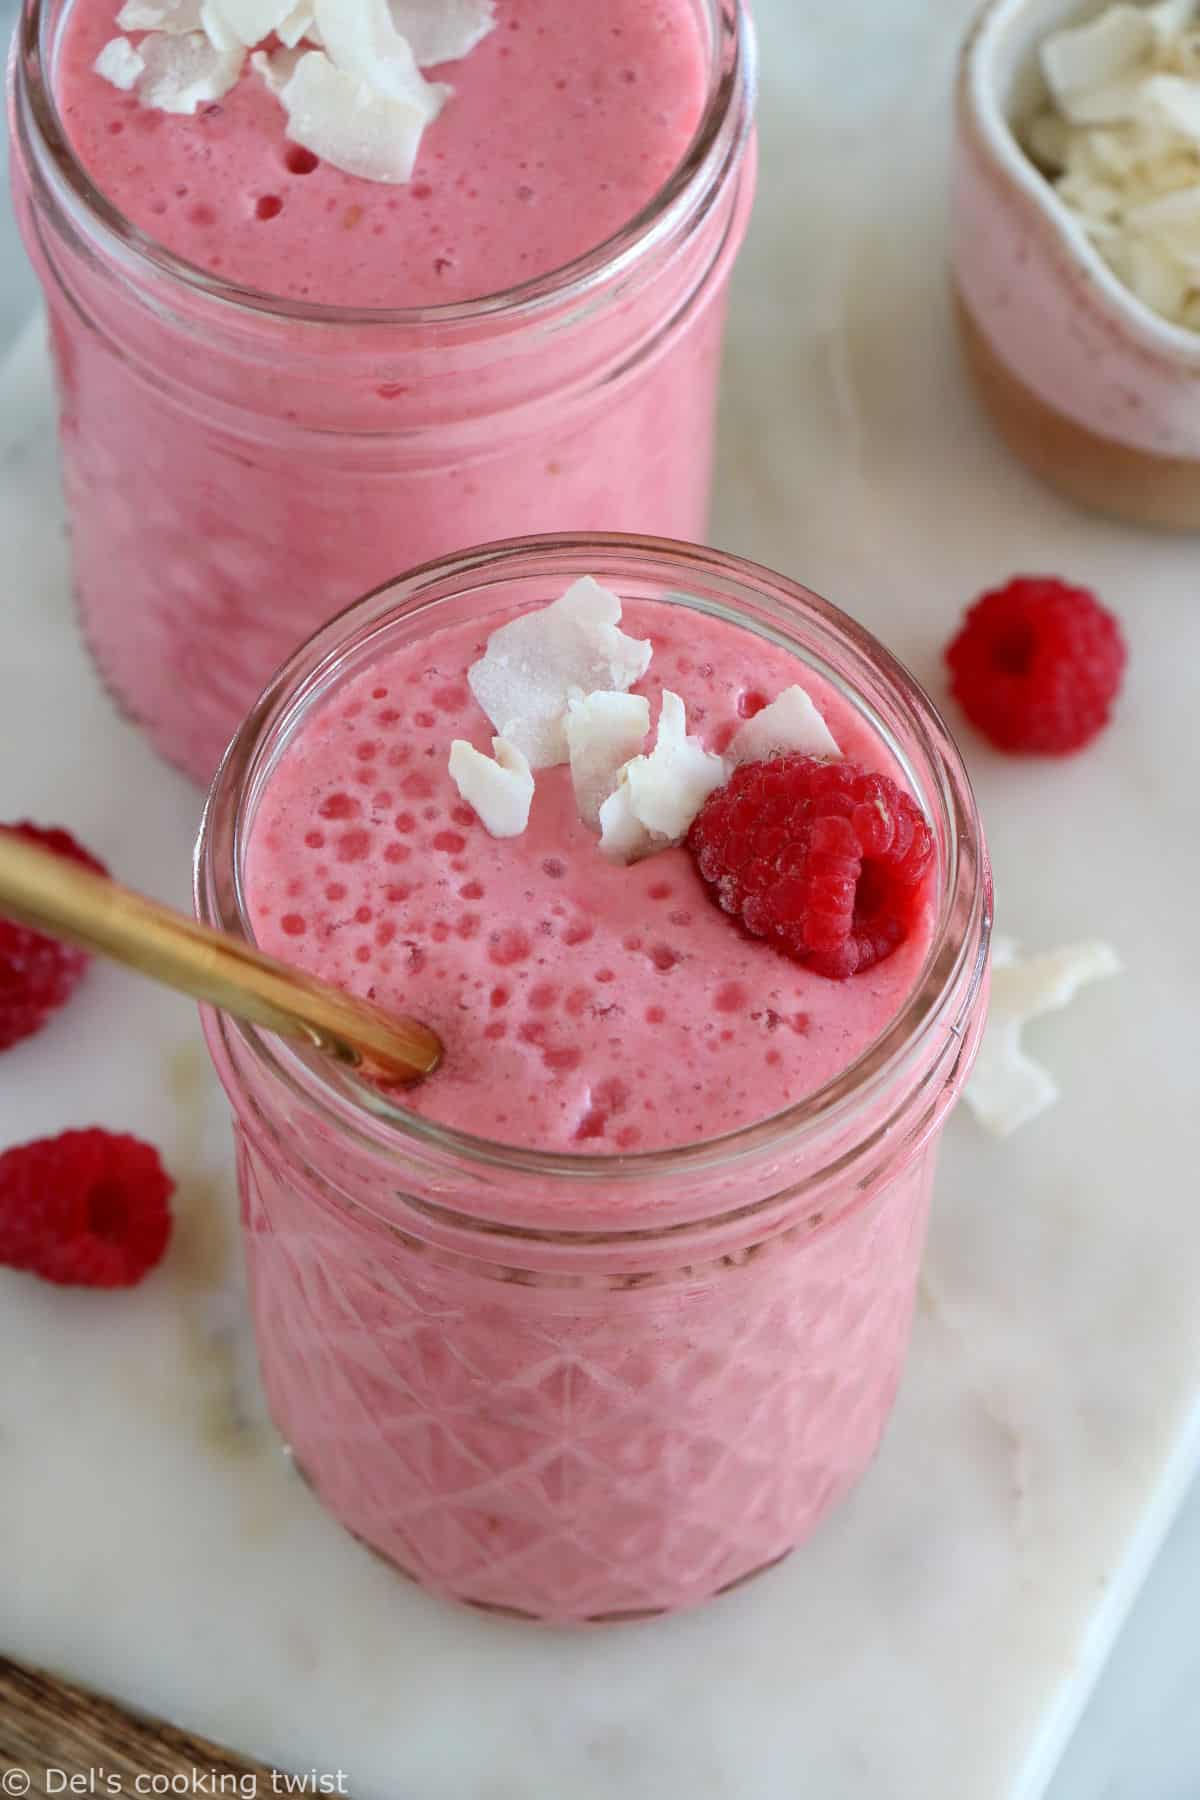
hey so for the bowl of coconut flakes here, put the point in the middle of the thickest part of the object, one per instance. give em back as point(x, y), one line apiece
point(1076, 245)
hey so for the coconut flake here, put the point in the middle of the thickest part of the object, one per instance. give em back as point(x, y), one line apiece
point(1007, 1088)
point(790, 725)
point(119, 63)
point(1119, 103)
point(172, 16)
point(1169, 18)
point(248, 22)
point(347, 122)
point(277, 68)
point(219, 34)
point(443, 30)
point(623, 837)
point(604, 730)
point(299, 24)
point(661, 792)
point(534, 664)
point(1178, 101)
point(361, 40)
point(500, 788)
point(182, 73)
point(1103, 54)
point(1121, 142)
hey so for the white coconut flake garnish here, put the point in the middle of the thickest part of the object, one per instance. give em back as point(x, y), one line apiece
point(219, 33)
point(349, 123)
point(119, 63)
point(623, 837)
point(361, 40)
point(790, 724)
point(1007, 1088)
point(604, 731)
point(182, 73)
point(362, 106)
point(443, 30)
point(299, 23)
point(534, 664)
point(172, 16)
point(277, 68)
point(250, 21)
point(500, 789)
point(662, 792)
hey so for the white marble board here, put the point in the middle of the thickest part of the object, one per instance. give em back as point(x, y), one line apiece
point(939, 1637)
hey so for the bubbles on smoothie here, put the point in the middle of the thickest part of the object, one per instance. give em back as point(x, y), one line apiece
point(730, 997)
point(268, 206)
point(509, 946)
point(353, 846)
point(340, 806)
point(299, 161)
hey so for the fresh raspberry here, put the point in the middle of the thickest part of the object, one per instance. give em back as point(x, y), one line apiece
point(823, 858)
point(87, 1209)
point(37, 973)
point(1037, 665)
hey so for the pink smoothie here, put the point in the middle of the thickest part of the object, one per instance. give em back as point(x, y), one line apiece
point(583, 1004)
point(564, 123)
point(613, 1425)
point(236, 474)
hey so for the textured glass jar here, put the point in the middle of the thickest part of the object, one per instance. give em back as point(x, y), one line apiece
point(237, 468)
point(581, 1387)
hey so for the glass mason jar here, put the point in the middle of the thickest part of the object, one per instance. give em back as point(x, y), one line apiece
point(587, 1387)
point(239, 467)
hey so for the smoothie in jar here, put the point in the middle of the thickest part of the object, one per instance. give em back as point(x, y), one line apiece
point(610, 1311)
point(280, 380)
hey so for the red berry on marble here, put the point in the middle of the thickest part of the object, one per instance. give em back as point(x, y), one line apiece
point(824, 859)
point(86, 1209)
point(1037, 666)
point(37, 973)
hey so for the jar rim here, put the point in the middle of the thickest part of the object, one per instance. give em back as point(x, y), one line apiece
point(943, 995)
point(713, 153)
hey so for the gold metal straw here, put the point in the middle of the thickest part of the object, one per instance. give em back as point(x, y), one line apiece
point(52, 894)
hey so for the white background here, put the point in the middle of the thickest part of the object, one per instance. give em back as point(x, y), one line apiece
point(1140, 1739)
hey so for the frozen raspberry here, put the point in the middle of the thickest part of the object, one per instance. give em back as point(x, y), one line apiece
point(37, 973)
point(87, 1209)
point(1037, 666)
point(822, 858)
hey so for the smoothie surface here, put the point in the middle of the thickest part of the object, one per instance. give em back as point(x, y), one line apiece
point(564, 123)
point(584, 1006)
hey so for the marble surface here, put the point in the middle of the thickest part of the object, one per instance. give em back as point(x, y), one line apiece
point(939, 1637)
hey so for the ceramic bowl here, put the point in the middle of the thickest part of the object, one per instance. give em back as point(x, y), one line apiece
point(1088, 386)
